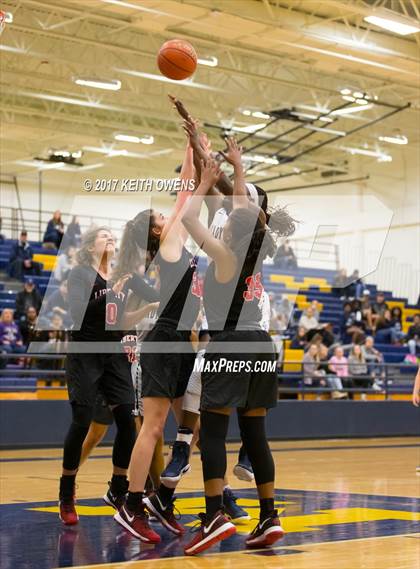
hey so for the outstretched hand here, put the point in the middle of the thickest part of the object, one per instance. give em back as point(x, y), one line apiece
point(234, 152)
point(210, 172)
point(179, 106)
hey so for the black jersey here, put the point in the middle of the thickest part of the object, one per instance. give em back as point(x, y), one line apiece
point(235, 303)
point(179, 291)
point(95, 309)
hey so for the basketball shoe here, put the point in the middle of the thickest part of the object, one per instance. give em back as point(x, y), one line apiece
point(266, 532)
point(243, 469)
point(137, 524)
point(178, 465)
point(210, 532)
point(235, 512)
point(165, 514)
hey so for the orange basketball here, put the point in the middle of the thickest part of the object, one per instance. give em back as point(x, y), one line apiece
point(177, 59)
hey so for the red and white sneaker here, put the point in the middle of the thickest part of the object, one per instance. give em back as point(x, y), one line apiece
point(266, 532)
point(68, 514)
point(164, 514)
point(137, 524)
point(210, 532)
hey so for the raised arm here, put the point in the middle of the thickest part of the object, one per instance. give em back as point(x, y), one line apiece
point(215, 248)
point(234, 157)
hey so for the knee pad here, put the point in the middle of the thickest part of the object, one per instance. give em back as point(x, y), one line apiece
point(213, 431)
point(256, 445)
point(192, 396)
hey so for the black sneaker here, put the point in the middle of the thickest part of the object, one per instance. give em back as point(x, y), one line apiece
point(243, 469)
point(165, 514)
point(114, 499)
point(178, 465)
point(235, 512)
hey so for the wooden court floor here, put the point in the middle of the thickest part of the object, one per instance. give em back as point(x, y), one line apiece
point(345, 504)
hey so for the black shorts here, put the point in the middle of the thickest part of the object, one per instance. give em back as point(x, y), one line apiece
point(102, 414)
point(108, 373)
point(231, 386)
point(166, 373)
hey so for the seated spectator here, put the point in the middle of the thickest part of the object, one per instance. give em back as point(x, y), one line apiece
point(358, 369)
point(384, 328)
point(285, 257)
point(308, 320)
point(339, 365)
point(10, 336)
point(54, 232)
point(315, 309)
point(58, 303)
point(64, 264)
point(299, 342)
point(310, 367)
point(378, 307)
point(356, 286)
point(27, 325)
point(396, 319)
point(340, 283)
point(73, 234)
point(413, 335)
point(54, 340)
point(21, 259)
point(372, 357)
point(367, 309)
point(333, 381)
point(28, 296)
point(352, 321)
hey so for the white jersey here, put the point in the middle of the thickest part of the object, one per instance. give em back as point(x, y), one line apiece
point(265, 308)
point(219, 221)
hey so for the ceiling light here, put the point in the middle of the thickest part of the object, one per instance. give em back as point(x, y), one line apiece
point(262, 159)
point(327, 130)
point(210, 61)
point(309, 116)
point(394, 23)
point(260, 115)
point(345, 91)
point(246, 112)
point(382, 157)
point(398, 139)
point(357, 95)
point(134, 139)
point(362, 102)
point(8, 18)
point(349, 110)
point(250, 128)
point(349, 98)
point(154, 77)
point(109, 85)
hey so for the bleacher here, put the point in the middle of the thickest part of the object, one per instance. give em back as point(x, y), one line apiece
point(300, 286)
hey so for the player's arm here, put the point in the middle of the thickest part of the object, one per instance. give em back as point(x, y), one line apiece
point(141, 289)
point(233, 155)
point(130, 319)
point(215, 248)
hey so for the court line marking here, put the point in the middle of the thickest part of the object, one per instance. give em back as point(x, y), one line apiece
point(242, 552)
point(293, 449)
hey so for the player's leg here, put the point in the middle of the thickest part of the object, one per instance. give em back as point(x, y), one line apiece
point(215, 525)
point(132, 515)
point(95, 434)
point(252, 427)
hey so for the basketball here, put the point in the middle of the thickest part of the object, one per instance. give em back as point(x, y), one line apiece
point(177, 59)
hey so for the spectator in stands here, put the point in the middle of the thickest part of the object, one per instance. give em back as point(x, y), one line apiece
point(413, 335)
point(10, 336)
point(64, 264)
point(378, 307)
point(367, 309)
point(55, 339)
point(358, 369)
point(308, 320)
point(372, 357)
point(315, 309)
point(352, 321)
point(54, 232)
point(396, 319)
point(72, 236)
point(27, 325)
point(383, 328)
point(299, 342)
point(332, 379)
point(356, 286)
point(21, 259)
point(339, 365)
point(28, 296)
point(311, 376)
point(58, 303)
point(340, 283)
point(285, 257)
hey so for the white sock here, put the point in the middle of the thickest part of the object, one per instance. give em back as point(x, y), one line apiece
point(184, 437)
